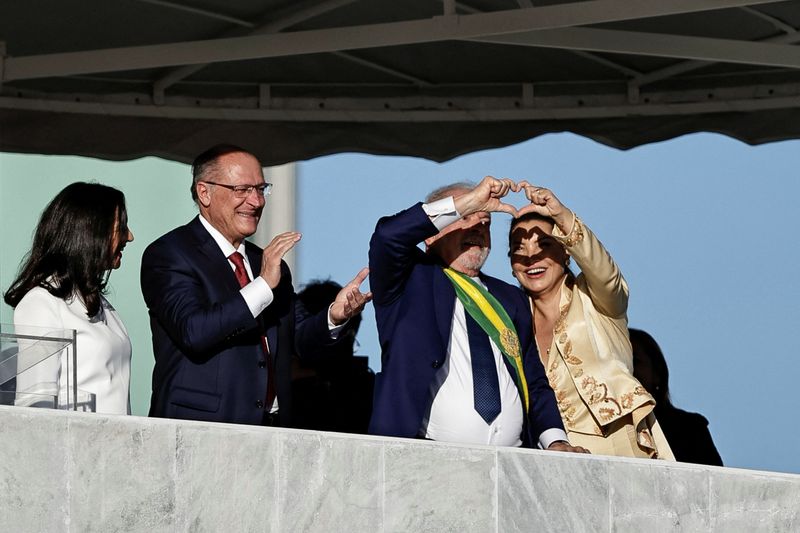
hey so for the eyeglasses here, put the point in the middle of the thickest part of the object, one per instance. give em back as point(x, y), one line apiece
point(243, 191)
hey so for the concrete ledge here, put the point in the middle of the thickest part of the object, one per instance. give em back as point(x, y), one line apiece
point(62, 471)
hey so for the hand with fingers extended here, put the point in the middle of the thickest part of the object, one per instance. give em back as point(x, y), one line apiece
point(544, 202)
point(350, 301)
point(273, 254)
point(486, 197)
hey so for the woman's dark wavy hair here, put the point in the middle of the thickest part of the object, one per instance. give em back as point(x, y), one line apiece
point(71, 252)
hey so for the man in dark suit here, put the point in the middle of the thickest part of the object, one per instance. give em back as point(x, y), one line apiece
point(222, 310)
point(428, 386)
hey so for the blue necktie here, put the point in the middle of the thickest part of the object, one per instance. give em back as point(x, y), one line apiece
point(486, 389)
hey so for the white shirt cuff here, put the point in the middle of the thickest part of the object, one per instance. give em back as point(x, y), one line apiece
point(442, 212)
point(335, 330)
point(257, 295)
point(549, 436)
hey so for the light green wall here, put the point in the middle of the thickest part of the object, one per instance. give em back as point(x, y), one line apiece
point(157, 194)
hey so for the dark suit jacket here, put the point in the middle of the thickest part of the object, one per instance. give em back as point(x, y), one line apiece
point(414, 304)
point(207, 345)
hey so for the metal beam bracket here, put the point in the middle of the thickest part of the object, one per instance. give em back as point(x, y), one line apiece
point(159, 98)
point(633, 92)
point(264, 96)
point(527, 95)
point(2, 63)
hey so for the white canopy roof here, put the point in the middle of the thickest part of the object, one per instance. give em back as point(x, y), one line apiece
point(294, 79)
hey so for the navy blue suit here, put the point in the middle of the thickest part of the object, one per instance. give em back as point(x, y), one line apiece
point(414, 305)
point(207, 345)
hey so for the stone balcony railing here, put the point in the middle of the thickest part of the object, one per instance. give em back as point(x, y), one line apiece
point(62, 471)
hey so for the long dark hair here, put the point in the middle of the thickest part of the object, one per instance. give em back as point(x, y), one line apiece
point(71, 252)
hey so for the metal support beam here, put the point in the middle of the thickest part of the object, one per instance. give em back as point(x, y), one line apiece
point(608, 63)
point(277, 22)
point(2, 62)
point(776, 22)
point(459, 27)
point(657, 45)
point(527, 95)
point(264, 96)
point(688, 66)
point(420, 109)
point(383, 68)
point(201, 12)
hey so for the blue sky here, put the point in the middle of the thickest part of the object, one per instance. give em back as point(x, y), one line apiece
point(701, 226)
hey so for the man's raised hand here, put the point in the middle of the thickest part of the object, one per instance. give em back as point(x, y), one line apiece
point(350, 301)
point(273, 254)
point(486, 197)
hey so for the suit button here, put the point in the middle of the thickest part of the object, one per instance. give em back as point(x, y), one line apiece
point(436, 364)
point(260, 404)
point(262, 364)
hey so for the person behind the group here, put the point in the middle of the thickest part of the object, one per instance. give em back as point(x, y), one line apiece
point(332, 391)
point(60, 286)
point(687, 433)
point(222, 309)
point(580, 327)
point(451, 374)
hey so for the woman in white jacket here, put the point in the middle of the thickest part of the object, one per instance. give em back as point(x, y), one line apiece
point(78, 241)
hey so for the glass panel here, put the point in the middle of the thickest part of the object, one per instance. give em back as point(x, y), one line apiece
point(31, 358)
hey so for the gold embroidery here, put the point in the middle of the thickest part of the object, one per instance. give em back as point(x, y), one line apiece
point(598, 393)
point(575, 235)
point(578, 373)
point(627, 399)
point(606, 413)
point(510, 342)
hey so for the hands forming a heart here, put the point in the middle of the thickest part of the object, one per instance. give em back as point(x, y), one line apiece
point(487, 196)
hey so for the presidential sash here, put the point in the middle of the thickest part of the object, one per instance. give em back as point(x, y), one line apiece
point(493, 319)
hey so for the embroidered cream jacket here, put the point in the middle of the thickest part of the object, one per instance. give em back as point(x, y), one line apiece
point(591, 337)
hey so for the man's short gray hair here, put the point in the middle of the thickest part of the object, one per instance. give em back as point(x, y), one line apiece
point(446, 190)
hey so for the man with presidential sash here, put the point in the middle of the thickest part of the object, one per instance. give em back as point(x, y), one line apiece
point(459, 363)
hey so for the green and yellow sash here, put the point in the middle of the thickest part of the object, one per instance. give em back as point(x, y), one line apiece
point(490, 315)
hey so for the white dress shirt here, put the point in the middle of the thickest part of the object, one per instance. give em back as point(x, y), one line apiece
point(452, 416)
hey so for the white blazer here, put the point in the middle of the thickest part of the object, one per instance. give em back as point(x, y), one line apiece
point(103, 348)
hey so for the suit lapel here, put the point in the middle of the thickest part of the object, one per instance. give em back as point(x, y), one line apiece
point(444, 301)
point(216, 264)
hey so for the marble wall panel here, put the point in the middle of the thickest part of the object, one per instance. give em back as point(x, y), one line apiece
point(330, 483)
point(63, 472)
point(656, 496)
point(436, 487)
point(225, 478)
point(33, 471)
point(750, 501)
point(551, 491)
point(121, 474)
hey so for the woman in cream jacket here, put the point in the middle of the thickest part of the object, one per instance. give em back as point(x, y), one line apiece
point(581, 329)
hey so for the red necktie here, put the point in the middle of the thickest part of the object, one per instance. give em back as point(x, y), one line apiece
point(241, 276)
